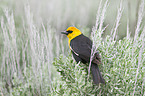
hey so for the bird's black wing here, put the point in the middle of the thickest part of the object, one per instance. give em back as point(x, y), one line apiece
point(81, 47)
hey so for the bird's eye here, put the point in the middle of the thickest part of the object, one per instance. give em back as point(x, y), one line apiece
point(69, 31)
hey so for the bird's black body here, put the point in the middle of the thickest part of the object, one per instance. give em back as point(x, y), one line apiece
point(81, 49)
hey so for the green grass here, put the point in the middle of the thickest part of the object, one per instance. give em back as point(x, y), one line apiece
point(123, 70)
point(28, 46)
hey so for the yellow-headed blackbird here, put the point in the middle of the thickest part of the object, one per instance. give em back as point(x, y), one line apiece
point(80, 47)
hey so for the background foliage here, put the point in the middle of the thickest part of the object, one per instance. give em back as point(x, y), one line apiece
point(30, 40)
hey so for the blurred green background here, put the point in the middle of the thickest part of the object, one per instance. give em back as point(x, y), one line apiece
point(63, 13)
point(30, 39)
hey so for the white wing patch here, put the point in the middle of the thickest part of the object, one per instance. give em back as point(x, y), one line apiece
point(74, 51)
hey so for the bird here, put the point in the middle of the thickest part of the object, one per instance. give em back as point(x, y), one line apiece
point(81, 46)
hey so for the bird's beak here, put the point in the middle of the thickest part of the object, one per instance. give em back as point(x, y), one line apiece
point(64, 32)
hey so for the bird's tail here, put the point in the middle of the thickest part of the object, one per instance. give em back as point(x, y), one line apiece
point(97, 77)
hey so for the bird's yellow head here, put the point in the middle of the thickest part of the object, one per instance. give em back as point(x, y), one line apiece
point(72, 32)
